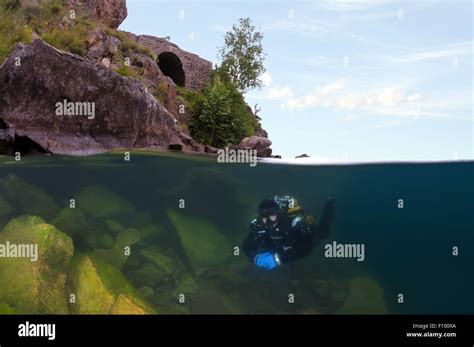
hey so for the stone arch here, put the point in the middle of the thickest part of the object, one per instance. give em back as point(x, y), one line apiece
point(171, 66)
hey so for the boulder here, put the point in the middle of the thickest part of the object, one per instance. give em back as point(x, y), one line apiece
point(109, 111)
point(99, 202)
point(204, 245)
point(304, 155)
point(366, 297)
point(109, 12)
point(32, 287)
point(71, 221)
point(100, 289)
point(258, 143)
point(27, 198)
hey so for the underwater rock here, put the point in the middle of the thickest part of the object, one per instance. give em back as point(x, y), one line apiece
point(366, 297)
point(126, 238)
point(125, 305)
point(160, 261)
point(100, 289)
point(113, 226)
point(106, 241)
point(119, 254)
point(147, 276)
point(205, 247)
point(5, 210)
point(146, 292)
point(35, 286)
point(71, 221)
point(99, 202)
point(330, 293)
point(28, 198)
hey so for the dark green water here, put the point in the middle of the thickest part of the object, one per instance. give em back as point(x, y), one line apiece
point(408, 250)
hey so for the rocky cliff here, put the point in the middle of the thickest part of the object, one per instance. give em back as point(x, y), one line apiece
point(37, 79)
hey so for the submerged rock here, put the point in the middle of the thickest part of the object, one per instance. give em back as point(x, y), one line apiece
point(71, 221)
point(100, 289)
point(35, 286)
point(205, 247)
point(366, 297)
point(99, 202)
point(27, 198)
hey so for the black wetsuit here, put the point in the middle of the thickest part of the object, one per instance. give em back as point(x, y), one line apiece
point(293, 237)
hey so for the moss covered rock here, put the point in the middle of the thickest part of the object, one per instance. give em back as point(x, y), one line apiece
point(99, 202)
point(205, 247)
point(28, 198)
point(35, 286)
point(71, 221)
point(100, 289)
point(366, 297)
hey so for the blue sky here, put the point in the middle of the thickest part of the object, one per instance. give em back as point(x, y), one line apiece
point(356, 80)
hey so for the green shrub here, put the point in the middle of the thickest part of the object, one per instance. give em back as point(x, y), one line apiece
point(70, 40)
point(221, 117)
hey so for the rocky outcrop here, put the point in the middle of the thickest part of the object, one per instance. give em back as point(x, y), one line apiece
point(304, 155)
point(109, 111)
point(258, 143)
point(109, 12)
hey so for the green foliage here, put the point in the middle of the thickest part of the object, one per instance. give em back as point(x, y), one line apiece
point(129, 47)
point(161, 94)
point(192, 100)
point(70, 40)
point(242, 55)
point(224, 117)
point(127, 71)
point(9, 5)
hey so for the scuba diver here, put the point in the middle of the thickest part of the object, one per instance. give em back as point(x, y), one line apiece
point(284, 232)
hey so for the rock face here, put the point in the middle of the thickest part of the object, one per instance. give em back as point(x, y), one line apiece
point(261, 144)
point(110, 111)
point(109, 12)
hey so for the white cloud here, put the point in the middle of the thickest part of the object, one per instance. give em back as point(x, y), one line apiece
point(192, 36)
point(385, 101)
point(266, 79)
point(318, 96)
point(351, 117)
point(454, 50)
point(280, 93)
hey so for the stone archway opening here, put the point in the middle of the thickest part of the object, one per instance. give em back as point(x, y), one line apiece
point(172, 67)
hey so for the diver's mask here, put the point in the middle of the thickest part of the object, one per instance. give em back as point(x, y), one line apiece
point(269, 213)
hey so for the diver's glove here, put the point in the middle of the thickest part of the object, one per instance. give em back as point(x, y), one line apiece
point(267, 260)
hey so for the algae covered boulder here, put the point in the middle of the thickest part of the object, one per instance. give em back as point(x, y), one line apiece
point(71, 221)
point(366, 297)
point(28, 198)
point(99, 202)
point(100, 288)
point(34, 282)
point(205, 247)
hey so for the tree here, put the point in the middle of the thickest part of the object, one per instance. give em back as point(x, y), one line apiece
point(223, 117)
point(242, 56)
